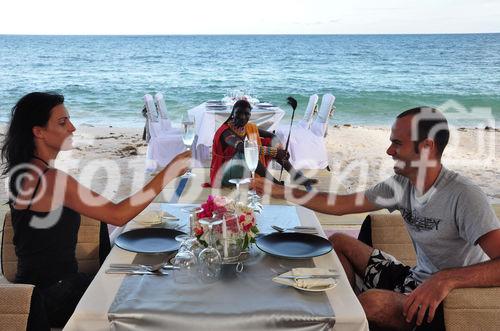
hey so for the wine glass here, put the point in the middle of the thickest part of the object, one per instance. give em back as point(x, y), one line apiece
point(185, 264)
point(210, 260)
point(188, 134)
point(238, 182)
point(252, 159)
point(189, 241)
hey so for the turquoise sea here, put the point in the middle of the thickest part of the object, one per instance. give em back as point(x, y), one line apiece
point(374, 77)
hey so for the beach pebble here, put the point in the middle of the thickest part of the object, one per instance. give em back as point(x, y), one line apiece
point(128, 150)
point(347, 125)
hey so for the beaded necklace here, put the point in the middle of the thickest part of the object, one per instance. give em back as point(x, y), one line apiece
point(239, 131)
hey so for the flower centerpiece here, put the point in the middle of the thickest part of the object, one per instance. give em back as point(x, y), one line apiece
point(238, 229)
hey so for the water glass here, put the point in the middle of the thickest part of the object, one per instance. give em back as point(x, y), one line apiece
point(187, 263)
point(210, 260)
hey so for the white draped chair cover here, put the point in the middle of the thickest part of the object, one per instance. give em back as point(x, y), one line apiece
point(163, 145)
point(161, 106)
point(320, 125)
point(305, 122)
point(307, 146)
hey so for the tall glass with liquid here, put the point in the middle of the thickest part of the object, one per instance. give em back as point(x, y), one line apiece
point(188, 133)
point(252, 159)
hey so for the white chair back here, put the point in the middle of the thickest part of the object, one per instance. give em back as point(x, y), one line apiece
point(305, 122)
point(161, 106)
point(152, 112)
point(154, 126)
point(320, 124)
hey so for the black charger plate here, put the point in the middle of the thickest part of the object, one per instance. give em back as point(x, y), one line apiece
point(149, 240)
point(293, 245)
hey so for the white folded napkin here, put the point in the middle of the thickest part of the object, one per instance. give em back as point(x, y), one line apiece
point(310, 283)
point(313, 282)
point(148, 218)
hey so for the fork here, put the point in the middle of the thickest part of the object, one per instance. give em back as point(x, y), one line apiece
point(304, 229)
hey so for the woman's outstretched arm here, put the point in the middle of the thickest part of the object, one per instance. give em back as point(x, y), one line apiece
point(89, 203)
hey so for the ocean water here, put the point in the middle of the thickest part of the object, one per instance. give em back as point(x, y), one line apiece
point(374, 77)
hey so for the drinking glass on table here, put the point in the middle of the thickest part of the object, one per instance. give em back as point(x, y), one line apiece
point(188, 134)
point(210, 260)
point(186, 258)
point(185, 263)
point(252, 159)
point(238, 182)
point(189, 241)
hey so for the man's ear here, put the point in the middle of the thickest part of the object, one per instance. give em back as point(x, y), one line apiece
point(428, 144)
point(38, 132)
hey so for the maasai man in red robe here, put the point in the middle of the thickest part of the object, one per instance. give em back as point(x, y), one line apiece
point(228, 159)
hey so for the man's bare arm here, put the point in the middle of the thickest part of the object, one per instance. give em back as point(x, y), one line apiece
point(323, 202)
point(431, 292)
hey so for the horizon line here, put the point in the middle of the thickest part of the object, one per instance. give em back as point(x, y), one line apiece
point(247, 34)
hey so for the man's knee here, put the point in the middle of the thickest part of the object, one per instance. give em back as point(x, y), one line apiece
point(383, 309)
point(372, 302)
point(340, 240)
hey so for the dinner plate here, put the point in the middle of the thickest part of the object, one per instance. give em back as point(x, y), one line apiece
point(215, 106)
point(149, 240)
point(293, 245)
point(265, 105)
point(214, 102)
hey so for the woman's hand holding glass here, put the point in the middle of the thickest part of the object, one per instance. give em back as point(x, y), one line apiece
point(180, 163)
point(188, 133)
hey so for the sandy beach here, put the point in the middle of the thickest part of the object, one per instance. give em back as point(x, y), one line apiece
point(110, 160)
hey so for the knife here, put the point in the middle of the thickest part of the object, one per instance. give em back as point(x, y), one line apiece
point(135, 272)
point(335, 276)
point(138, 266)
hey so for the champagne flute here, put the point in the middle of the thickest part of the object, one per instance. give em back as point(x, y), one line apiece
point(188, 134)
point(252, 160)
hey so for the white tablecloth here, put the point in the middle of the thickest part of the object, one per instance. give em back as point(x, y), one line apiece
point(208, 121)
point(92, 311)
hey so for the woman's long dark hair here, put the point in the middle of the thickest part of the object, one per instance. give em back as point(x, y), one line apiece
point(18, 148)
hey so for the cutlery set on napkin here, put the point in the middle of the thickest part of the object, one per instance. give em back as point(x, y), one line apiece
point(309, 279)
point(298, 229)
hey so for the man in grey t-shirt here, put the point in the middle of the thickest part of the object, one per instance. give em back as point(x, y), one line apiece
point(454, 230)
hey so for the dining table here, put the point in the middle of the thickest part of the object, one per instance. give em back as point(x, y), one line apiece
point(246, 300)
point(210, 116)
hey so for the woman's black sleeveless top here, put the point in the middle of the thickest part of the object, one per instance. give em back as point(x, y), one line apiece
point(45, 243)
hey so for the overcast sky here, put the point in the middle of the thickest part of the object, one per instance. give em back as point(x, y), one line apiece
point(248, 17)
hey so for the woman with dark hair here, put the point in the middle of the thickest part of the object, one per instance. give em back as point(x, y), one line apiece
point(228, 150)
point(46, 204)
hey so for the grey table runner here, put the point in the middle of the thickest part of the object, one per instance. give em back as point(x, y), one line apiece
point(239, 301)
